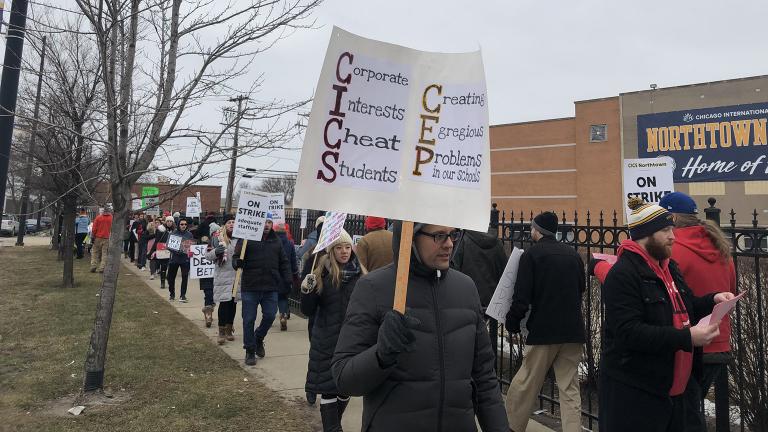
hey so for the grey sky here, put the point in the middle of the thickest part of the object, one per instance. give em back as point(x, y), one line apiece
point(539, 56)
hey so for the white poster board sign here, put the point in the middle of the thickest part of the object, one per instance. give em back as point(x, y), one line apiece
point(251, 215)
point(277, 207)
point(135, 202)
point(395, 132)
point(649, 179)
point(199, 266)
point(356, 239)
point(174, 243)
point(152, 204)
point(502, 296)
point(303, 218)
point(334, 223)
point(193, 207)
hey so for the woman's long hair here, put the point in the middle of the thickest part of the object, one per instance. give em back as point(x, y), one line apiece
point(714, 232)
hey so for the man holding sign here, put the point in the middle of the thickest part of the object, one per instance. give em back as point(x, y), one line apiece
point(432, 368)
point(265, 272)
point(649, 344)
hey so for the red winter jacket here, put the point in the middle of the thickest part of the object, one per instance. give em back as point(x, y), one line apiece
point(705, 272)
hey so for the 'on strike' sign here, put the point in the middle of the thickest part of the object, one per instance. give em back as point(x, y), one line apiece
point(649, 179)
point(251, 216)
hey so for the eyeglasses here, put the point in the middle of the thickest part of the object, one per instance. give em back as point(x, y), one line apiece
point(182, 224)
point(454, 235)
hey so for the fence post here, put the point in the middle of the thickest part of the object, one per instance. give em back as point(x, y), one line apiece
point(712, 213)
point(493, 226)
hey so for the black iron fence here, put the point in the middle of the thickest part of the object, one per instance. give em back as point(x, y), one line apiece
point(742, 399)
point(742, 402)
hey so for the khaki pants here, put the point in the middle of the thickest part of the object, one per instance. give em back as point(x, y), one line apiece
point(526, 384)
point(99, 253)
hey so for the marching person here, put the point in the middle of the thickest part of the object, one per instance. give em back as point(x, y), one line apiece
point(101, 229)
point(265, 272)
point(206, 286)
point(81, 231)
point(325, 294)
point(304, 254)
point(142, 231)
point(222, 249)
point(282, 296)
point(432, 368)
point(550, 281)
point(152, 231)
point(650, 341)
point(180, 260)
point(481, 256)
point(375, 248)
point(160, 250)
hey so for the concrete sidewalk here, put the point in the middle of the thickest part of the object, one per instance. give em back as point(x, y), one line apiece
point(284, 369)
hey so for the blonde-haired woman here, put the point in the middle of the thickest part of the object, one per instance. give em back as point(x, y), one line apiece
point(222, 248)
point(325, 293)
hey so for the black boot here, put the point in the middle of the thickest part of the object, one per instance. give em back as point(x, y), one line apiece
point(260, 348)
point(329, 413)
point(250, 357)
point(342, 406)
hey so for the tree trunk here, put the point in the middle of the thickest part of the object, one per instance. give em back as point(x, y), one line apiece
point(56, 231)
point(68, 240)
point(97, 348)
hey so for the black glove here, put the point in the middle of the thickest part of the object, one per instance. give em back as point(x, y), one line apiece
point(238, 263)
point(511, 325)
point(395, 337)
point(219, 249)
point(591, 266)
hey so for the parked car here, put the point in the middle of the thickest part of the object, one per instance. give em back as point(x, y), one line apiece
point(9, 225)
point(32, 226)
point(45, 222)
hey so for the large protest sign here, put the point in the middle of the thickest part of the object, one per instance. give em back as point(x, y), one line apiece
point(649, 179)
point(724, 143)
point(193, 207)
point(251, 215)
point(276, 206)
point(199, 266)
point(398, 133)
point(334, 223)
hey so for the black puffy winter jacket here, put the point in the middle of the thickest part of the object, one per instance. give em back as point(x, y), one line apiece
point(449, 377)
point(266, 266)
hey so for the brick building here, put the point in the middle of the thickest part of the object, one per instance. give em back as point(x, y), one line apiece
point(210, 196)
point(575, 163)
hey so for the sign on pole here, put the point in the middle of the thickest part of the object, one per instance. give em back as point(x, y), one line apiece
point(251, 215)
point(193, 207)
point(277, 207)
point(149, 191)
point(398, 133)
point(303, 218)
point(135, 202)
point(505, 289)
point(649, 179)
point(334, 223)
point(199, 266)
point(152, 205)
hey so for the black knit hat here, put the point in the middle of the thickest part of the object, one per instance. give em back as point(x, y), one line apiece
point(545, 223)
point(646, 218)
point(228, 217)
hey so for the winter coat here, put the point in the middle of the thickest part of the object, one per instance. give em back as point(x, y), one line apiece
point(267, 267)
point(374, 250)
point(481, 257)
point(449, 376)
point(305, 251)
point(705, 272)
point(329, 308)
point(290, 252)
point(551, 280)
point(639, 338)
point(181, 257)
point(161, 236)
point(224, 275)
point(81, 224)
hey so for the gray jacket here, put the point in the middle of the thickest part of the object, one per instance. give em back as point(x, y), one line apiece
point(224, 275)
point(449, 377)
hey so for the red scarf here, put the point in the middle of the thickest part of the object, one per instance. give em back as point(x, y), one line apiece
point(683, 359)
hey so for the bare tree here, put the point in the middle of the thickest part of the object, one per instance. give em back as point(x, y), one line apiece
point(143, 48)
point(285, 184)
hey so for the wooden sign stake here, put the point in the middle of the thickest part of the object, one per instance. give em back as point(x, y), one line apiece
point(403, 267)
point(240, 270)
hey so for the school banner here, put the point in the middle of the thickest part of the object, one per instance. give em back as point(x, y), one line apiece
point(726, 143)
point(649, 179)
point(398, 133)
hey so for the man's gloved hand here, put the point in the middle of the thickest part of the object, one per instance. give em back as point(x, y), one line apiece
point(238, 263)
point(309, 284)
point(395, 337)
point(220, 249)
point(591, 266)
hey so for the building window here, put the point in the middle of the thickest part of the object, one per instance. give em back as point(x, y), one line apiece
point(706, 188)
point(756, 187)
point(598, 133)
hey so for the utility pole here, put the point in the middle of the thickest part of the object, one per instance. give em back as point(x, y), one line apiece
point(9, 87)
point(233, 163)
point(30, 154)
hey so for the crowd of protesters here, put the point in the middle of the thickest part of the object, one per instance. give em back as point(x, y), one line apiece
point(433, 367)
